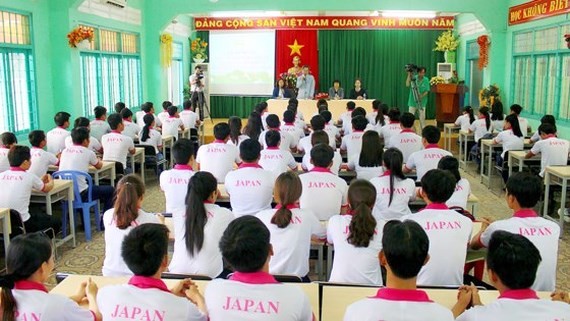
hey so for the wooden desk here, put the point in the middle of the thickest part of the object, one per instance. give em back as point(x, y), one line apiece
point(487, 149)
point(106, 171)
point(308, 107)
point(167, 142)
point(69, 287)
point(6, 230)
point(448, 130)
point(137, 157)
point(558, 175)
point(464, 138)
point(517, 157)
point(62, 190)
point(184, 133)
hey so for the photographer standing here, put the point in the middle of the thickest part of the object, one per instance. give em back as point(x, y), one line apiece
point(419, 89)
point(197, 84)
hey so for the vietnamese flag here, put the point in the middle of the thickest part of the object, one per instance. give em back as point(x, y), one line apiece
point(297, 43)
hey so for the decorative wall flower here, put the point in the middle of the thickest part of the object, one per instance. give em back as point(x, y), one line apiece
point(484, 43)
point(79, 34)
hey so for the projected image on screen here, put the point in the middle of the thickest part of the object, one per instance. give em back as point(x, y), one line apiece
point(242, 62)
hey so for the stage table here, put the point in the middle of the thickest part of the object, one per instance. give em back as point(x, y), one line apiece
point(309, 107)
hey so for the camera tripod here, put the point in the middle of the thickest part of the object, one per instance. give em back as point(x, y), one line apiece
point(202, 104)
point(416, 92)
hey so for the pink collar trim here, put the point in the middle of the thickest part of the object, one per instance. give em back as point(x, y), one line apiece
point(148, 113)
point(394, 122)
point(172, 117)
point(386, 173)
point(16, 169)
point(61, 128)
point(320, 170)
point(99, 119)
point(288, 206)
point(550, 136)
point(407, 131)
point(525, 213)
point(272, 148)
point(521, 294)
point(290, 124)
point(118, 132)
point(219, 141)
point(253, 278)
point(145, 282)
point(428, 146)
point(358, 131)
point(29, 285)
point(249, 165)
point(275, 129)
point(208, 202)
point(183, 167)
point(402, 295)
point(436, 206)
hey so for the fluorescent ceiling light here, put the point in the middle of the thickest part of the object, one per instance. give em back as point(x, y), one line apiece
point(408, 14)
point(245, 14)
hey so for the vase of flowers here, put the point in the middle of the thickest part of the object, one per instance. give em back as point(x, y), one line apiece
point(488, 95)
point(198, 48)
point(80, 37)
point(447, 42)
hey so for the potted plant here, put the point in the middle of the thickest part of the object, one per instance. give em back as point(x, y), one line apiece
point(447, 42)
point(198, 48)
point(80, 37)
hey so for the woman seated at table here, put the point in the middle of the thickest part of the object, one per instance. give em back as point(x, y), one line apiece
point(336, 91)
point(281, 91)
point(358, 92)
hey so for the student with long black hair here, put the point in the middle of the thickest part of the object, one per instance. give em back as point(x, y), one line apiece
point(198, 229)
point(497, 116)
point(393, 127)
point(376, 117)
point(393, 190)
point(150, 136)
point(236, 137)
point(480, 128)
point(356, 252)
point(29, 263)
point(511, 137)
point(369, 163)
point(462, 186)
point(253, 128)
point(466, 119)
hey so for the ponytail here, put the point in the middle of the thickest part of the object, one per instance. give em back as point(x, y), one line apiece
point(235, 129)
point(515, 126)
point(485, 112)
point(200, 187)
point(469, 111)
point(361, 196)
point(288, 189)
point(377, 106)
point(148, 119)
point(8, 302)
point(393, 160)
point(129, 190)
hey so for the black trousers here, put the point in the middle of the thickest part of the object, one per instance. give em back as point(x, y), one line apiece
point(197, 99)
point(39, 221)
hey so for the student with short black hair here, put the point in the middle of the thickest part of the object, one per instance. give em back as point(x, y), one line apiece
point(291, 228)
point(346, 117)
point(18, 185)
point(287, 141)
point(516, 109)
point(245, 246)
point(368, 164)
point(393, 127)
point(99, 125)
point(352, 142)
point(275, 159)
point(189, 118)
point(293, 128)
point(317, 123)
point(172, 124)
point(163, 115)
point(356, 237)
point(546, 119)
point(29, 263)
point(56, 137)
point(198, 228)
point(145, 251)
point(404, 252)
point(117, 145)
point(41, 160)
point(427, 158)
point(236, 137)
point(94, 143)
point(250, 186)
point(321, 137)
point(523, 192)
point(330, 127)
point(406, 140)
point(299, 120)
point(394, 190)
point(218, 157)
point(553, 150)
point(146, 108)
point(131, 129)
point(173, 182)
point(321, 184)
point(119, 106)
point(466, 119)
point(7, 140)
point(460, 196)
point(448, 231)
point(512, 265)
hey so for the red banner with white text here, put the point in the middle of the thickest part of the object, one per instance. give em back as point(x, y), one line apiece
point(537, 9)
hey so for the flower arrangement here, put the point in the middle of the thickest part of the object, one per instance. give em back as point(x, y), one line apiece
point(321, 96)
point(447, 41)
point(166, 48)
point(484, 43)
point(198, 48)
point(567, 38)
point(436, 80)
point(488, 95)
point(290, 80)
point(79, 34)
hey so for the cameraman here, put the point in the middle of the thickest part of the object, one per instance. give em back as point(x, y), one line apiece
point(423, 89)
point(197, 84)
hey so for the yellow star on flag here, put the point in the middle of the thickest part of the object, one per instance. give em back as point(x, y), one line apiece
point(295, 48)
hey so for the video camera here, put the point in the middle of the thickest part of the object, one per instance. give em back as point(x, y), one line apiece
point(413, 68)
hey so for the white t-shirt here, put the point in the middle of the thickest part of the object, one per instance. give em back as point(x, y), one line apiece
point(449, 233)
point(353, 264)
point(324, 193)
point(154, 139)
point(520, 305)
point(554, 151)
point(523, 123)
point(498, 125)
point(397, 305)
point(366, 173)
point(116, 147)
point(207, 261)
point(464, 121)
point(404, 192)
point(389, 130)
point(287, 141)
point(18, 185)
point(346, 118)
point(250, 188)
point(305, 144)
point(41, 160)
point(163, 115)
point(114, 265)
point(277, 160)
point(479, 128)
point(335, 167)
point(56, 140)
point(510, 141)
point(542, 233)
point(94, 144)
point(292, 244)
point(189, 118)
point(140, 119)
point(77, 158)
point(352, 144)
point(407, 141)
point(426, 159)
point(332, 130)
point(461, 194)
point(174, 184)
point(4, 164)
point(35, 303)
point(535, 137)
point(240, 140)
point(145, 298)
point(98, 128)
point(293, 130)
point(131, 129)
point(217, 158)
point(171, 125)
point(256, 297)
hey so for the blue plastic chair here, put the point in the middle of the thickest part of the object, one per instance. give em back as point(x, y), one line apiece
point(78, 203)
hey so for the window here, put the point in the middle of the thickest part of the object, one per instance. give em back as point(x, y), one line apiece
point(175, 75)
point(111, 70)
point(17, 82)
point(541, 72)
